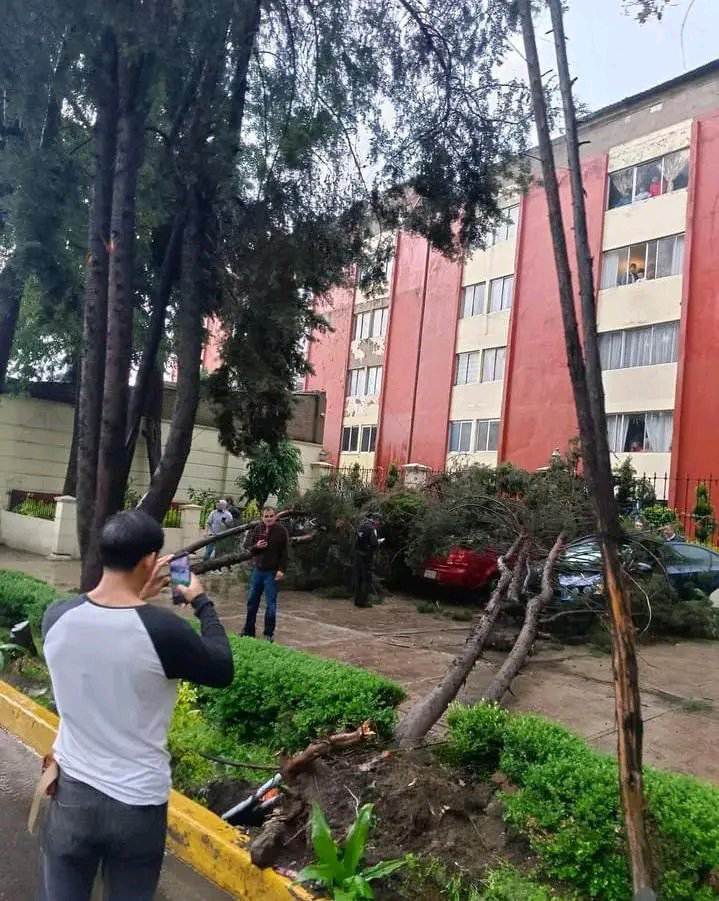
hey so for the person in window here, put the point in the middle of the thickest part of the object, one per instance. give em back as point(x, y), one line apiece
point(655, 186)
point(635, 273)
point(635, 447)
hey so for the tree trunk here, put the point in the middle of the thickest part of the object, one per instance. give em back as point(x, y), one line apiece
point(426, 712)
point(153, 420)
point(69, 487)
point(514, 662)
point(95, 307)
point(112, 464)
point(589, 401)
point(10, 297)
point(148, 364)
point(189, 336)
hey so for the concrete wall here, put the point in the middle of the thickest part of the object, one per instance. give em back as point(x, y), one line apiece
point(35, 440)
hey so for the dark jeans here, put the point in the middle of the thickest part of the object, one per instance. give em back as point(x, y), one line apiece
point(261, 580)
point(364, 565)
point(84, 829)
point(209, 551)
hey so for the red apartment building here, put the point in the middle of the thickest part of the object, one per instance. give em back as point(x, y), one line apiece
point(466, 359)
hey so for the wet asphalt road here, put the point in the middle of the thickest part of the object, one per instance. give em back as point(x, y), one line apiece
point(19, 768)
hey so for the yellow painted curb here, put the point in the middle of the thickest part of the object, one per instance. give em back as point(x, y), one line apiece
point(194, 834)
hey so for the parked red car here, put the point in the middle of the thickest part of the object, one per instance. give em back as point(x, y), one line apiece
point(462, 568)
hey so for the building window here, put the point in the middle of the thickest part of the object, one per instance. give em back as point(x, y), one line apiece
point(473, 300)
point(374, 381)
point(368, 439)
point(466, 368)
point(651, 179)
point(486, 434)
point(355, 382)
point(640, 432)
point(507, 226)
point(350, 437)
point(639, 346)
point(500, 293)
point(493, 364)
point(460, 436)
point(372, 324)
point(640, 262)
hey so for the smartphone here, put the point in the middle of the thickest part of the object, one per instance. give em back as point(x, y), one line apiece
point(180, 571)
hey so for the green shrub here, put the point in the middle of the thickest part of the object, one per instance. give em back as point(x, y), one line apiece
point(191, 736)
point(23, 597)
point(477, 737)
point(568, 806)
point(508, 884)
point(286, 698)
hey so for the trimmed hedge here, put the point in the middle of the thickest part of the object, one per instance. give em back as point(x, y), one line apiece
point(23, 597)
point(285, 698)
point(568, 806)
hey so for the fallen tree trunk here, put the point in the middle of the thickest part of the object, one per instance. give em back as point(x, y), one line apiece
point(525, 640)
point(227, 560)
point(427, 711)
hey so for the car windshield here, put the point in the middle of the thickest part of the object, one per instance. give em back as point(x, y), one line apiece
point(678, 554)
point(583, 555)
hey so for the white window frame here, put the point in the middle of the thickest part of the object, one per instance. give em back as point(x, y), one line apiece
point(635, 168)
point(614, 419)
point(491, 424)
point(506, 228)
point(652, 330)
point(462, 367)
point(493, 353)
point(356, 380)
point(506, 293)
point(349, 432)
point(626, 252)
point(371, 431)
point(461, 425)
point(477, 308)
point(373, 381)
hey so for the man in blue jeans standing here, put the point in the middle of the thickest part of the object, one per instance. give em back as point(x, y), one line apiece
point(269, 543)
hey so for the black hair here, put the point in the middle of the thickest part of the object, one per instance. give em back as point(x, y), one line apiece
point(127, 537)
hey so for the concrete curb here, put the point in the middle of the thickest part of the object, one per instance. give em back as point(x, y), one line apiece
point(194, 834)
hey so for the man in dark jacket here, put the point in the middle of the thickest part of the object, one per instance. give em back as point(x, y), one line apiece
point(269, 543)
point(366, 545)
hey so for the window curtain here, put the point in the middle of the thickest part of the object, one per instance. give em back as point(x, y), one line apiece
point(675, 164)
point(659, 432)
point(678, 255)
point(610, 269)
point(622, 430)
point(623, 182)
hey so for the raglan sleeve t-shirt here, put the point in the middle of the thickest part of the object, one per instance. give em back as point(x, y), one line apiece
point(114, 672)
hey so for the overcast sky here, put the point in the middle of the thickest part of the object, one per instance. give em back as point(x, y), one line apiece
point(614, 57)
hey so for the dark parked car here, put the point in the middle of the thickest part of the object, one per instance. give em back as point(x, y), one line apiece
point(462, 568)
point(579, 569)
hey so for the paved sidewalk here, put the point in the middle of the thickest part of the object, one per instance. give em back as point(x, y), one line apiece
point(19, 768)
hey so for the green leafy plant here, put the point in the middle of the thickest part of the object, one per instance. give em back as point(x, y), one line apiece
point(33, 506)
point(206, 498)
point(285, 698)
point(703, 515)
point(393, 477)
point(658, 515)
point(337, 867)
point(7, 649)
point(23, 597)
point(272, 470)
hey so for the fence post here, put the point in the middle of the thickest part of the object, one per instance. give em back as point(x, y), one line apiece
point(415, 474)
point(64, 542)
point(190, 522)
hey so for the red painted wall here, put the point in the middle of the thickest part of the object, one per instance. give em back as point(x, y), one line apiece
point(695, 449)
point(399, 378)
point(538, 407)
point(436, 362)
point(328, 355)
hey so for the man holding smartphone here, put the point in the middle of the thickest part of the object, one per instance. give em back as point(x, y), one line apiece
point(269, 544)
point(114, 662)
